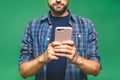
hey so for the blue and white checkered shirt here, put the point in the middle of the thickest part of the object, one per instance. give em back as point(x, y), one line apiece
point(37, 36)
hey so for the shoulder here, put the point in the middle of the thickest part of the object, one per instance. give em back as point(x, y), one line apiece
point(84, 23)
point(83, 20)
point(33, 24)
point(37, 21)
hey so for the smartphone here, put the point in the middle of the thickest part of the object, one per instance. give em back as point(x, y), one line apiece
point(63, 33)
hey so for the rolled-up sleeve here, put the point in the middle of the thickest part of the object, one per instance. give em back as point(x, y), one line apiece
point(93, 44)
point(26, 46)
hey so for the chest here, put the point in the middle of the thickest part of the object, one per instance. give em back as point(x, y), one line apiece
point(43, 34)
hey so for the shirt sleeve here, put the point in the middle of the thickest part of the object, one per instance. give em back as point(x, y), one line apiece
point(92, 43)
point(26, 46)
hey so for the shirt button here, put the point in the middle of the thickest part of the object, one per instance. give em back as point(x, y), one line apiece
point(50, 26)
point(79, 35)
point(48, 39)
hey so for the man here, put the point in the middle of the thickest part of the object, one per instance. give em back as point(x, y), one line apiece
point(52, 60)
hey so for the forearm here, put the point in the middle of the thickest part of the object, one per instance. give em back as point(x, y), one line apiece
point(30, 68)
point(87, 66)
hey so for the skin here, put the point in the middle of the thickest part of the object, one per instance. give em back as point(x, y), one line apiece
point(54, 50)
point(58, 7)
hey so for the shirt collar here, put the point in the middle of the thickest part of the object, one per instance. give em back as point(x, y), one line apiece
point(47, 17)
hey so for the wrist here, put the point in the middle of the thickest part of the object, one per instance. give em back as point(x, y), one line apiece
point(76, 60)
point(73, 60)
point(43, 59)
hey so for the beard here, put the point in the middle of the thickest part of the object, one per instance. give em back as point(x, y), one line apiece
point(58, 10)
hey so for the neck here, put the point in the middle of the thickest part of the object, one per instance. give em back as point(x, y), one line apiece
point(59, 14)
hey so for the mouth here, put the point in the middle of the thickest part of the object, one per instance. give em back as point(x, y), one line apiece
point(58, 5)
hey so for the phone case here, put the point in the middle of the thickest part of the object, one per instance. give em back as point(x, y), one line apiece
point(63, 33)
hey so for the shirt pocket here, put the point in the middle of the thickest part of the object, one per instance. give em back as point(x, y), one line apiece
point(80, 41)
point(44, 40)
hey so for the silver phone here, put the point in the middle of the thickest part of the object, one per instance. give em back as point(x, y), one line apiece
point(63, 33)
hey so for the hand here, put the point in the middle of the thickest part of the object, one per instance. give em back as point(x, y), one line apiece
point(50, 54)
point(66, 49)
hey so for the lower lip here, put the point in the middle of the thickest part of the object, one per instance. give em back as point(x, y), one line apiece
point(58, 5)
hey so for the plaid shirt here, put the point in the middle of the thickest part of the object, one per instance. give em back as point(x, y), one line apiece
point(37, 36)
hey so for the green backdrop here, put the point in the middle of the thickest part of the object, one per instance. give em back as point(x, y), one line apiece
point(15, 14)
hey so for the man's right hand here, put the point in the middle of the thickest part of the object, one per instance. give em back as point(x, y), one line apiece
point(49, 53)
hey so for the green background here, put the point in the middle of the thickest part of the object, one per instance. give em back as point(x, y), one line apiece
point(15, 14)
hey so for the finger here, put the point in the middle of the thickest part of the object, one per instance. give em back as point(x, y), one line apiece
point(69, 42)
point(64, 55)
point(60, 54)
point(52, 56)
point(63, 47)
point(55, 43)
point(65, 51)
